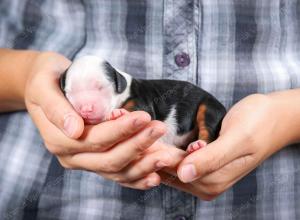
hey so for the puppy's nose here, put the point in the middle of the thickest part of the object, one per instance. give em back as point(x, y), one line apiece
point(86, 109)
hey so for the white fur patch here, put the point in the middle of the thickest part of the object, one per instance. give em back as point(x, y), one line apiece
point(87, 70)
point(171, 136)
point(84, 69)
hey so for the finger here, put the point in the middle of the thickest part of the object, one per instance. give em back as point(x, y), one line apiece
point(120, 155)
point(148, 182)
point(217, 154)
point(132, 148)
point(55, 139)
point(231, 172)
point(56, 107)
point(103, 136)
point(95, 138)
point(165, 157)
point(214, 184)
point(170, 180)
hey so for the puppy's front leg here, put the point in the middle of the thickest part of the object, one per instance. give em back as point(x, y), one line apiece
point(117, 113)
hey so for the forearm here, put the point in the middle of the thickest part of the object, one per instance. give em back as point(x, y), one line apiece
point(288, 104)
point(14, 68)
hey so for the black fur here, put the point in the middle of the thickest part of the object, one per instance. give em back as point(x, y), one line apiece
point(158, 96)
point(116, 78)
point(62, 81)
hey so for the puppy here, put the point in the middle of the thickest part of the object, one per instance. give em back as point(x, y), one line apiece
point(100, 92)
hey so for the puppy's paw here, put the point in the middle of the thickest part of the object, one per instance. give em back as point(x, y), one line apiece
point(196, 145)
point(117, 113)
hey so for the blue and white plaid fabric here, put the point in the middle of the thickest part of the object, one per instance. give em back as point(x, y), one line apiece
point(231, 48)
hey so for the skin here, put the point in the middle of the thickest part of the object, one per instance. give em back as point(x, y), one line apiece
point(106, 149)
point(126, 149)
point(253, 129)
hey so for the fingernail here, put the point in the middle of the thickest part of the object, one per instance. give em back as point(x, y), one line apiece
point(151, 183)
point(70, 125)
point(138, 123)
point(187, 173)
point(154, 133)
point(160, 164)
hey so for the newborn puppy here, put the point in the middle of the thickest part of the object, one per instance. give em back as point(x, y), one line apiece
point(100, 92)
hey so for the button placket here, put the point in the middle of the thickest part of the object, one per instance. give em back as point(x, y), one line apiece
point(179, 40)
point(179, 63)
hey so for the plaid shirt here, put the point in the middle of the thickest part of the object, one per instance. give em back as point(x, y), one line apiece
point(231, 48)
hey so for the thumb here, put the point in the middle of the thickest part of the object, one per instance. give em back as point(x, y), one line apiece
point(209, 159)
point(60, 112)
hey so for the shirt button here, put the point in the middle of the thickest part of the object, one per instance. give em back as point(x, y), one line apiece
point(181, 217)
point(182, 59)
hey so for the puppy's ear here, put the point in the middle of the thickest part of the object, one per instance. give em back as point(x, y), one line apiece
point(62, 81)
point(117, 78)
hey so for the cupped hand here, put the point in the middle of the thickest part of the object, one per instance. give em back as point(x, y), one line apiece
point(251, 131)
point(109, 148)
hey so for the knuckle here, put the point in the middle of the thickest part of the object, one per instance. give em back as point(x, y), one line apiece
point(207, 197)
point(140, 143)
point(140, 146)
point(53, 149)
point(64, 164)
point(136, 185)
point(142, 116)
point(110, 167)
point(117, 178)
point(52, 112)
point(94, 147)
point(136, 120)
point(132, 186)
point(214, 190)
point(248, 134)
point(138, 172)
point(48, 138)
point(145, 140)
point(114, 167)
point(124, 132)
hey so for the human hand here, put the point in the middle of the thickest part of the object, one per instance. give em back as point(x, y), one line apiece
point(108, 148)
point(251, 131)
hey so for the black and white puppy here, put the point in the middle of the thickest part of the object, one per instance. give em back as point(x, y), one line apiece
point(100, 92)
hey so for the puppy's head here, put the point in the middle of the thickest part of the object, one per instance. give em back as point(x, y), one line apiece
point(93, 87)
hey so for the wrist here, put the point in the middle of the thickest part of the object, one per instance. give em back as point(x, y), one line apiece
point(15, 68)
point(27, 59)
point(287, 106)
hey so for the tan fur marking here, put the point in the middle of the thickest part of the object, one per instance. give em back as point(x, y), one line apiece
point(203, 132)
point(129, 105)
